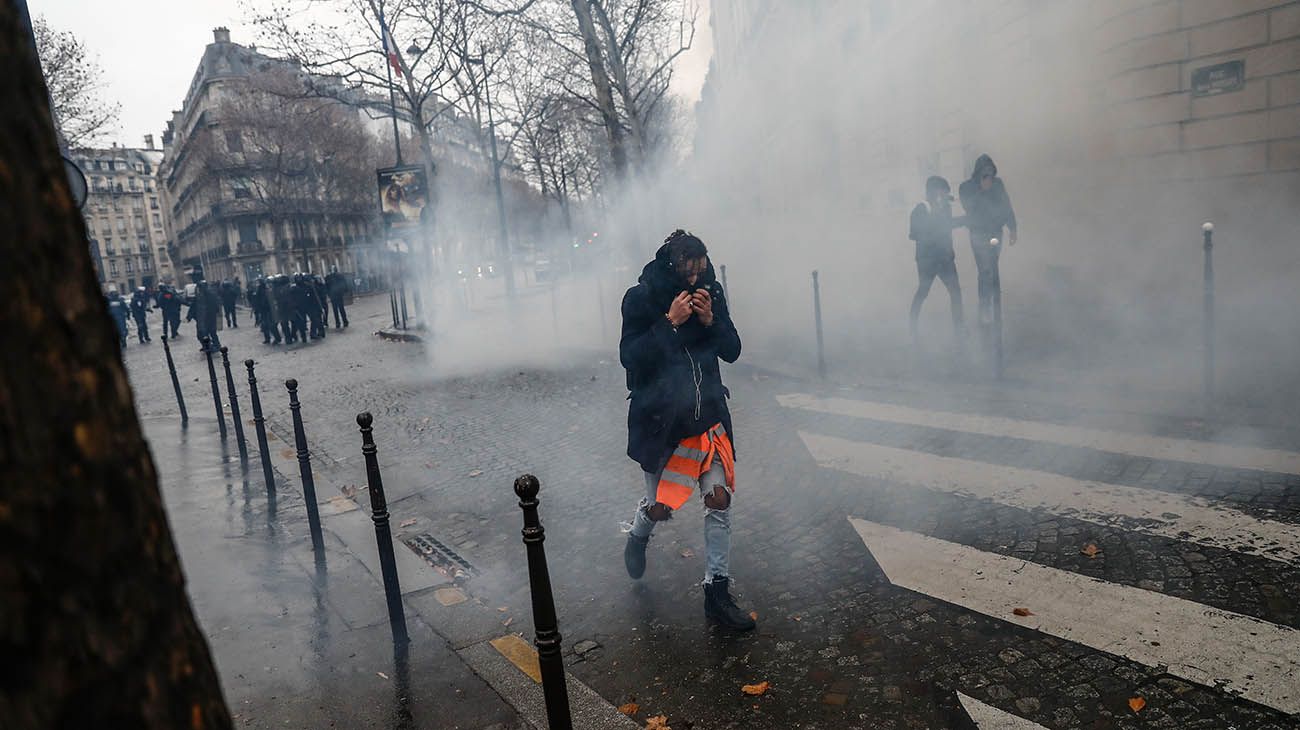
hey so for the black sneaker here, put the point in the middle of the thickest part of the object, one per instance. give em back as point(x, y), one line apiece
point(634, 555)
point(719, 606)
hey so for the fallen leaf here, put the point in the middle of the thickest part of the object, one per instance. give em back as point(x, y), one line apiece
point(755, 689)
point(687, 553)
point(1136, 704)
point(476, 473)
point(407, 523)
point(1022, 612)
point(1091, 550)
point(508, 621)
point(629, 709)
point(349, 490)
point(753, 615)
point(658, 722)
point(385, 676)
point(797, 618)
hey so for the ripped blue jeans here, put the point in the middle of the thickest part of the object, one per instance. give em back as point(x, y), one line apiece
point(717, 522)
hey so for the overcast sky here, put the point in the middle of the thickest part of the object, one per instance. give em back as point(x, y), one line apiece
point(149, 50)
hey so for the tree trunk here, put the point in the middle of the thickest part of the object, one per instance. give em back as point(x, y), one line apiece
point(95, 625)
point(600, 80)
point(614, 52)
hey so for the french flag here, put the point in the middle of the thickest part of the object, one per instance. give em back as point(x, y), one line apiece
point(390, 47)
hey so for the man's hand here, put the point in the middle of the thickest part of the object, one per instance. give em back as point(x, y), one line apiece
point(680, 310)
point(702, 305)
point(1011, 238)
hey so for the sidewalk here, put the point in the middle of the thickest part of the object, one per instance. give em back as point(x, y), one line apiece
point(305, 643)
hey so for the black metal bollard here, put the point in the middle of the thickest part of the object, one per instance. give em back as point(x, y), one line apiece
point(725, 291)
point(304, 468)
point(1208, 324)
point(216, 391)
point(817, 314)
point(383, 534)
point(176, 383)
point(551, 662)
point(260, 424)
point(234, 404)
point(392, 303)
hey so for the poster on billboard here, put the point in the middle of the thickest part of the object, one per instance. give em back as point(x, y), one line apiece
point(403, 194)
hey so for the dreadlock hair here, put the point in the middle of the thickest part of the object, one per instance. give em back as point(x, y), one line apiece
point(684, 246)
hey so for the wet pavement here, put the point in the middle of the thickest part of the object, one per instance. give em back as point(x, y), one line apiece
point(883, 534)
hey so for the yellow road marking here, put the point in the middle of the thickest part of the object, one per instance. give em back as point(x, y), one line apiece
point(520, 654)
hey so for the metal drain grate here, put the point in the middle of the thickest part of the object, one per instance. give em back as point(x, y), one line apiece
point(440, 555)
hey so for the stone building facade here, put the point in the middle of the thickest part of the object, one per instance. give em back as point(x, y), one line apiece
point(213, 221)
point(125, 216)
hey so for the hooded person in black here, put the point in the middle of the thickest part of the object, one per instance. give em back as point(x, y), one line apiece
point(988, 211)
point(676, 325)
point(931, 226)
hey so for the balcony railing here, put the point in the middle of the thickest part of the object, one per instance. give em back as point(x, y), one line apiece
point(244, 247)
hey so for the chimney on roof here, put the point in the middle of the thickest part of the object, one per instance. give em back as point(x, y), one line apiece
point(221, 34)
point(148, 141)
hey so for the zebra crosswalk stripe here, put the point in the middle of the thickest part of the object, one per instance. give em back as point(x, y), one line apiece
point(1119, 442)
point(1256, 658)
point(1149, 511)
point(988, 717)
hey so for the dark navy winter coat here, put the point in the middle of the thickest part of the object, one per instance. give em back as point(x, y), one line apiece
point(663, 364)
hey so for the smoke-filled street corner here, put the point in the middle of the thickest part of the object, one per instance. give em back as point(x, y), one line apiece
point(650, 364)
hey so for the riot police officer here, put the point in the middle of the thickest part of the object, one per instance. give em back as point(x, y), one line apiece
point(117, 309)
point(205, 309)
point(139, 310)
point(169, 301)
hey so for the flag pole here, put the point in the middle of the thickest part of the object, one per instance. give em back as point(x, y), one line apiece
point(392, 90)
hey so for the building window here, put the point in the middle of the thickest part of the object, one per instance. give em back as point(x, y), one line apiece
point(234, 142)
point(121, 224)
point(247, 231)
point(128, 266)
point(239, 186)
point(145, 264)
point(153, 203)
point(157, 221)
point(108, 246)
point(143, 244)
point(112, 268)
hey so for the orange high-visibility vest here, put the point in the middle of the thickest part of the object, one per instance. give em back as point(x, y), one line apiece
point(690, 461)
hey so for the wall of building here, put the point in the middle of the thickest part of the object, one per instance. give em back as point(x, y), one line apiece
point(124, 217)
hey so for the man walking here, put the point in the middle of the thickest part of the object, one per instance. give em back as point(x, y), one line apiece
point(931, 227)
point(139, 311)
point(988, 211)
point(676, 325)
point(336, 285)
point(229, 296)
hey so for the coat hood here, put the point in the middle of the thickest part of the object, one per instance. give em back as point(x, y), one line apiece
point(981, 163)
point(663, 282)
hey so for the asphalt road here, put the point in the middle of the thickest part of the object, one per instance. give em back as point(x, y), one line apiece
point(920, 555)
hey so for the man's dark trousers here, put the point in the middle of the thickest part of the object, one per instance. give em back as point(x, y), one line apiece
point(990, 281)
point(339, 311)
point(927, 268)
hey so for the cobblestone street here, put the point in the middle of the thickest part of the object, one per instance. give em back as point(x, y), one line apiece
point(920, 554)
